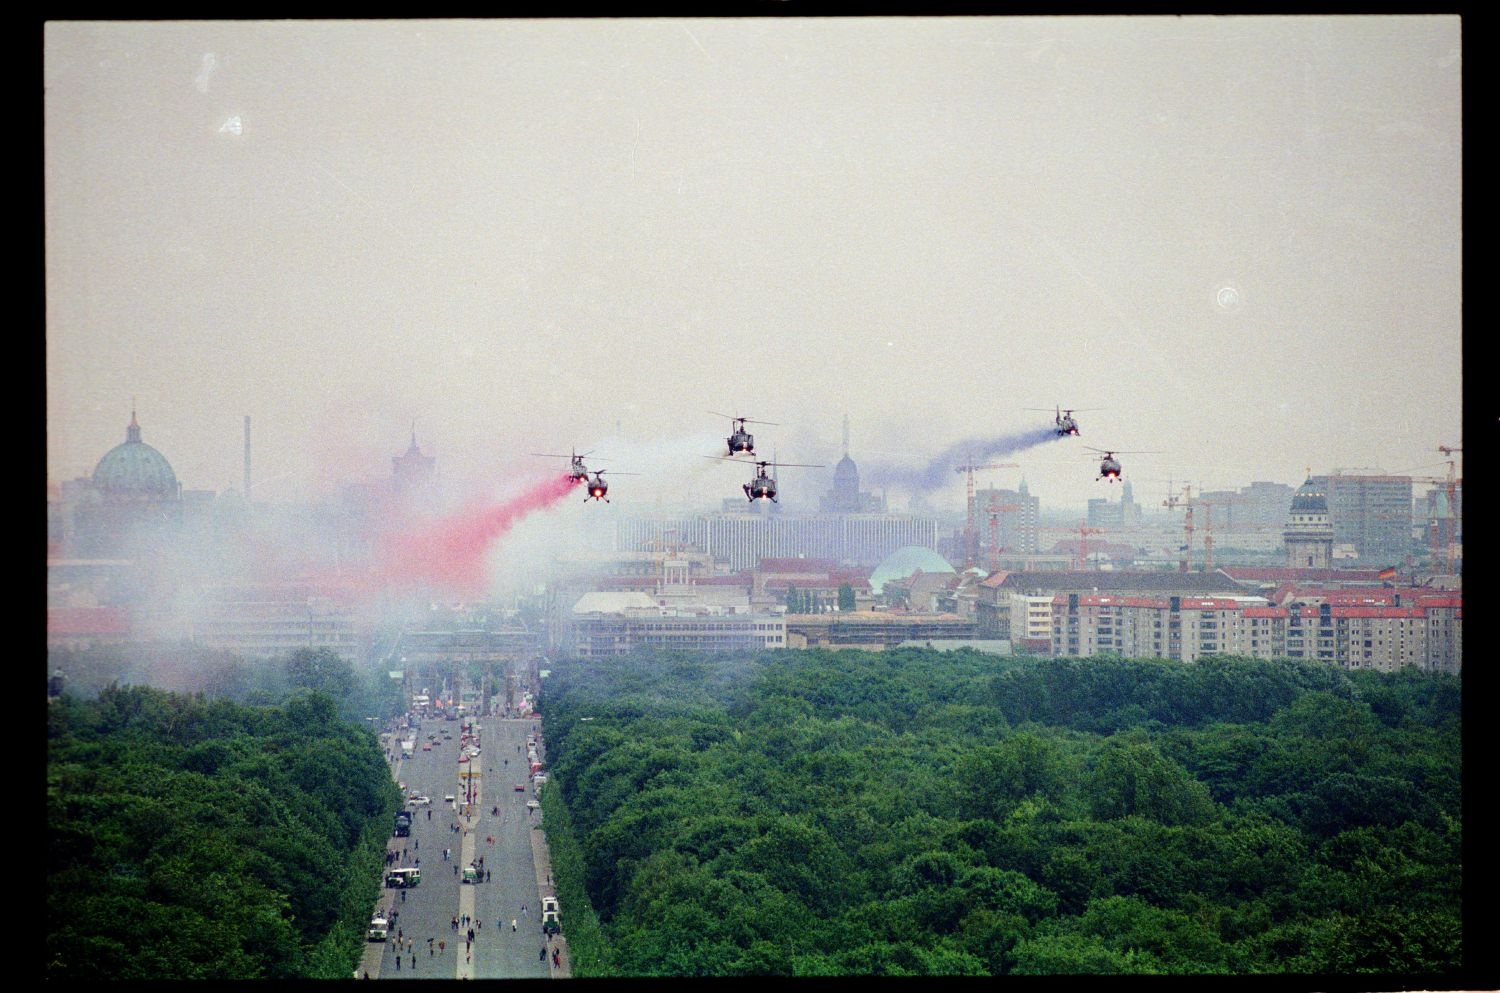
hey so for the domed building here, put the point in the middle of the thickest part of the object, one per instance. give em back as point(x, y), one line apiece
point(133, 494)
point(845, 496)
point(904, 561)
point(134, 472)
point(1308, 534)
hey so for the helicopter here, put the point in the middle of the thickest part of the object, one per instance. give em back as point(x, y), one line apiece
point(739, 439)
point(763, 486)
point(1109, 466)
point(598, 487)
point(1063, 418)
point(577, 471)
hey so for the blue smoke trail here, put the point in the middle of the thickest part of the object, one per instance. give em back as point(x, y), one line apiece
point(939, 471)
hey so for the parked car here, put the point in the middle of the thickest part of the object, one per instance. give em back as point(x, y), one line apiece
point(520, 787)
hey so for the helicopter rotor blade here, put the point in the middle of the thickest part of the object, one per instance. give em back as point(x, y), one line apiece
point(742, 420)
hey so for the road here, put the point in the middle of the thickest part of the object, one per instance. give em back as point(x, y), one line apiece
point(427, 911)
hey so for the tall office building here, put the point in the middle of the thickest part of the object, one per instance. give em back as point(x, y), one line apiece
point(1371, 513)
point(1016, 514)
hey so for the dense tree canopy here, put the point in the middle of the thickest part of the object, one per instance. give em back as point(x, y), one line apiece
point(923, 813)
point(203, 839)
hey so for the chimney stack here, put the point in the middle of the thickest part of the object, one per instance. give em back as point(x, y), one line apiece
point(247, 460)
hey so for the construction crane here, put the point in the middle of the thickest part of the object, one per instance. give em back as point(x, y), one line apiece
point(1208, 533)
point(1186, 502)
point(996, 509)
point(1083, 531)
point(971, 532)
point(1442, 532)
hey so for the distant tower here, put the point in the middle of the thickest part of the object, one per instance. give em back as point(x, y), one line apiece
point(412, 471)
point(1308, 534)
point(844, 497)
point(247, 460)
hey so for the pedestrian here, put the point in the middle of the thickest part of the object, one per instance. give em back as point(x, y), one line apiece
point(455, 868)
point(442, 946)
point(429, 943)
point(486, 875)
point(479, 924)
point(398, 963)
point(403, 896)
point(542, 957)
point(416, 844)
point(523, 910)
point(512, 923)
point(419, 863)
point(413, 961)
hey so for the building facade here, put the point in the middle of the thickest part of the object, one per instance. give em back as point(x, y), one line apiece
point(1309, 533)
point(265, 619)
point(1372, 513)
point(1424, 632)
point(616, 624)
point(740, 540)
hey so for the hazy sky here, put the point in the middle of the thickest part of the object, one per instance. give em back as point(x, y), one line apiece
point(1238, 237)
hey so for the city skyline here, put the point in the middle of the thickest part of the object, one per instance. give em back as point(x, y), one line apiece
point(1237, 239)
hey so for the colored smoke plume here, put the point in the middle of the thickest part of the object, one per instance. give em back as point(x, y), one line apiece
point(939, 470)
point(450, 552)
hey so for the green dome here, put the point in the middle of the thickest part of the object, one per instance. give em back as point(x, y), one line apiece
point(905, 561)
point(1309, 499)
point(135, 470)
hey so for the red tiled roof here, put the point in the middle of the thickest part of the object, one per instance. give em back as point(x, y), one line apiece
point(797, 565)
point(1186, 603)
point(1440, 601)
point(1387, 612)
point(88, 620)
point(735, 580)
point(1104, 600)
point(1291, 575)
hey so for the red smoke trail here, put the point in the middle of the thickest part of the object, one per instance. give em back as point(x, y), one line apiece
point(449, 553)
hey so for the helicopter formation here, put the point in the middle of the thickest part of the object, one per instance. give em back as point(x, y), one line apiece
point(1110, 469)
point(579, 473)
point(1063, 418)
point(762, 485)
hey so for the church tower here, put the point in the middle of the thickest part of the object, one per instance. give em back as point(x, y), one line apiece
point(1308, 534)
